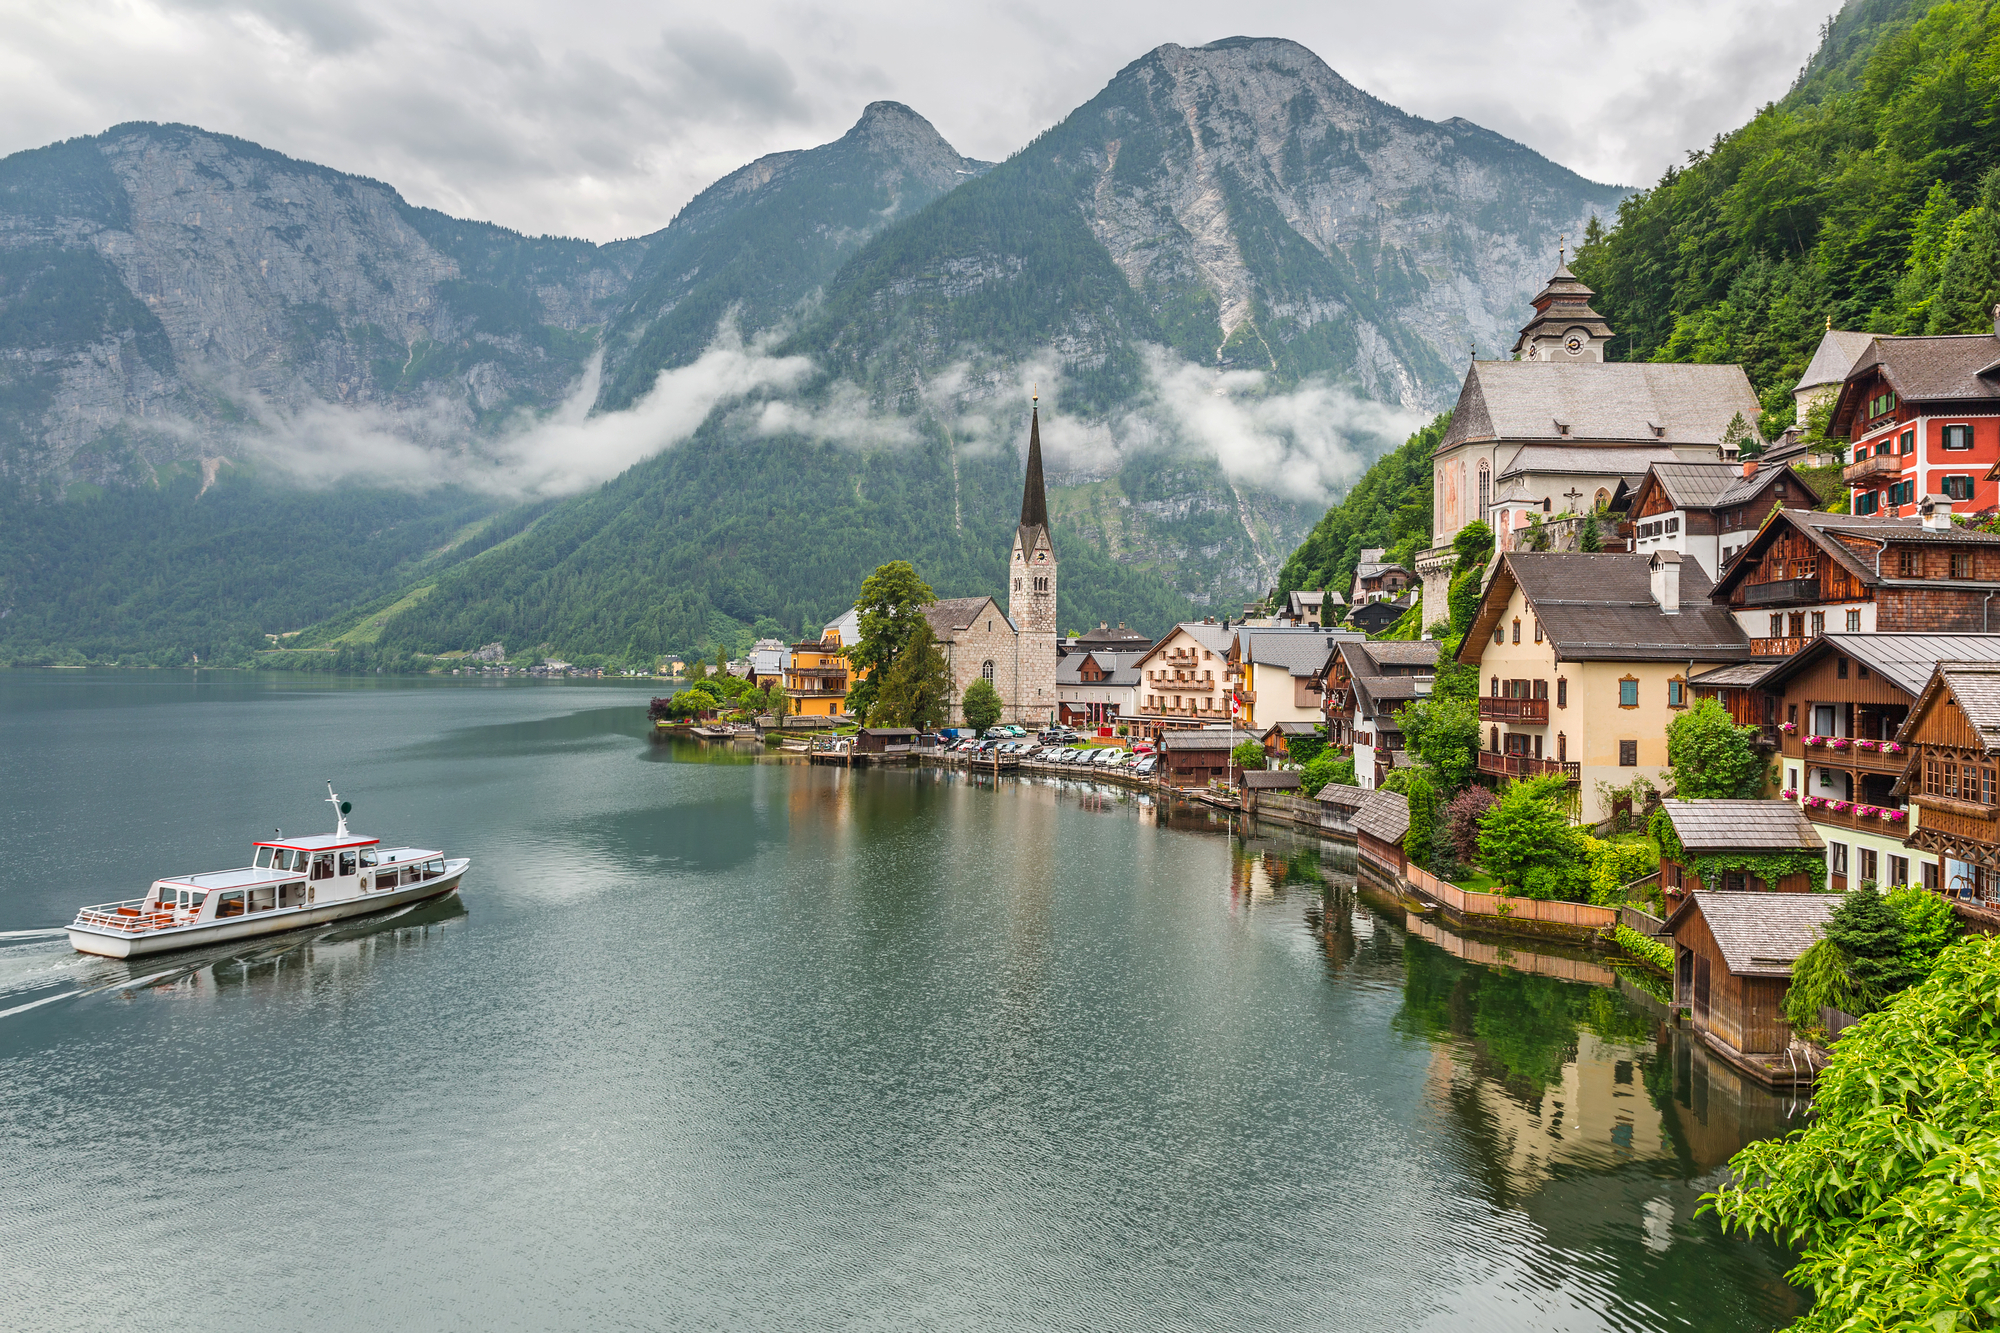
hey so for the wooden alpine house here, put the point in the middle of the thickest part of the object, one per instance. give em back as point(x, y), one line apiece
point(1953, 740)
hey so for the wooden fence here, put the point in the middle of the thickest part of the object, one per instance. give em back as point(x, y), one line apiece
point(1644, 922)
point(1520, 960)
point(1587, 916)
point(1293, 809)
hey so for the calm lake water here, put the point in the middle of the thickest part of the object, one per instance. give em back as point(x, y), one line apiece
point(714, 1042)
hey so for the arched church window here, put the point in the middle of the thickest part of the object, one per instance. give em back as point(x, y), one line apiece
point(1485, 488)
point(986, 671)
point(1603, 497)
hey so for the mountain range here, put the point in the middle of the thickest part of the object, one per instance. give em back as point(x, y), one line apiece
point(1235, 277)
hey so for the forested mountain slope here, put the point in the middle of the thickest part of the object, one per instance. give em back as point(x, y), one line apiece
point(1865, 197)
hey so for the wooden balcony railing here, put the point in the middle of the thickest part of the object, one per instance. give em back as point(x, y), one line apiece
point(1847, 819)
point(1526, 766)
point(1849, 756)
point(1781, 590)
point(1880, 467)
point(1513, 710)
point(1781, 647)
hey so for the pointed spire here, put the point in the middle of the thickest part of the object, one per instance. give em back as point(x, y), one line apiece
point(1034, 500)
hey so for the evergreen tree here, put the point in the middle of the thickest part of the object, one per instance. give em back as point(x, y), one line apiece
point(916, 690)
point(1590, 537)
point(1869, 932)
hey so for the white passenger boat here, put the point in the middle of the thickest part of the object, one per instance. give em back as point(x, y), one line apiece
point(291, 883)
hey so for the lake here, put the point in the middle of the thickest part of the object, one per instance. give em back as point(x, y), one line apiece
point(711, 1040)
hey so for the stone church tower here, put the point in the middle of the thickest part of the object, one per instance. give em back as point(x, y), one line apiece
point(1031, 598)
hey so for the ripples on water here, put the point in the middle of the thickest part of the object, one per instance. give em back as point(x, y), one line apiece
point(715, 1042)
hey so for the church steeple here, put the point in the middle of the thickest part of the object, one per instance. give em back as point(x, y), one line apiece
point(1564, 328)
point(1034, 500)
point(1031, 601)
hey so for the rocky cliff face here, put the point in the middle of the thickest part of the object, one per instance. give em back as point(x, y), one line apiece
point(236, 282)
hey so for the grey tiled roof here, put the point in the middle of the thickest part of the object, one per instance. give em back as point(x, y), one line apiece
point(1738, 675)
point(1904, 660)
point(1204, 740)
point(1825, 531)
point(1371, 693)
point(1932, 368)
point(1303, 652)
point(1601, 608)
point(1271, 779)
point(1385, 815)
point(1293, 728)
point(1400, 652)
point(1713, 485)
point(1976, 686)
point(1600, 402)
point(1760, 934)
point(1342, 796)
point(1591, 460)
point(1123, 668)
point(1837, 352)
point(1714, 825)
point(949, 615)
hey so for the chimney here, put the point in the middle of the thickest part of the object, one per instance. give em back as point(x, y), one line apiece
point(1666, 570)
point(1749, 468)
point(1936, 512)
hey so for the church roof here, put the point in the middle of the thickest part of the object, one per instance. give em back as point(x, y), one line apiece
point(1563, 303)
point(953, 615)
point(1654, 405)
point(1034, 496)
point(1838, 350)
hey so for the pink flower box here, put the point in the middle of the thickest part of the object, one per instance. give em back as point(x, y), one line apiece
point(1895, 816)
point(1838, 742)
point(1865, 745)
point(1866, 812)
point(1842, 807)
point(1890, 747)
point(1815, 740)
point(1789, 728)
point(1789, 795)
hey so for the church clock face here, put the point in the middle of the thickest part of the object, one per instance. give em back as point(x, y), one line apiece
point(1573, 344)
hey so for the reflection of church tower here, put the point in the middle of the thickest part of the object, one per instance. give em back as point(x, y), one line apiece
point(1564, 328)
point(1031, 597)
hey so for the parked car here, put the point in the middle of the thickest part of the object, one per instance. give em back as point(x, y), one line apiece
point(1109, 757)
point(1146, 765)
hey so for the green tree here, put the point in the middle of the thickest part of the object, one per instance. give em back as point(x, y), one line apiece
point(981, 705)
point(1888, 1192)
point(1248, 756)
point(1527, 842)
point(1929, 927)
point(1822, 978)
point(1710, 756)
point(1420, 790)
point(1589, 536)
point(1444, 735)
point(891, 605)
point(916, 689)
point(1302, 750)
point(1473, 545)
point(1869, 932)
point(1324, 768)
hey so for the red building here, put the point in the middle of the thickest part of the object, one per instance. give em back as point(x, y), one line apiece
point(1923, 418)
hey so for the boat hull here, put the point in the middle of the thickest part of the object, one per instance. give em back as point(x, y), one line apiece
point(138, 944)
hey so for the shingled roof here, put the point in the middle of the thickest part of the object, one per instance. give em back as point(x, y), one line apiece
point(1760, 934)
point(1641, 402)
point(1271, 779)
point(951, 615)
point(1204, 740)
point(1712, 825)
point(1601, 608)
point(1615, 460)
point(1302, 652)
point(1716, 485)
point(1836, 354)
point(1952, 368)
point(1976, 687)
point(1384, 816)
point(1861, 558)
point(1904, 660)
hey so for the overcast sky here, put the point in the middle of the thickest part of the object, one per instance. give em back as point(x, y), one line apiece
point(600, 118)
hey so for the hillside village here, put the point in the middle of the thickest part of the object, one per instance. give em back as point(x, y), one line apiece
point(1637, 622)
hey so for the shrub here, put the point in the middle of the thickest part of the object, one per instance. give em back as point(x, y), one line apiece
point(1461, 821)
point(1711, 756)
point(1527, 842)
point(1426, 810)
point(1821, 978)
point(1248, 756)
point(981, 705)
point(1327, 768)
point(1929, 927)
point(1613, 865)
point(1644, 948)
point(1892, 1190)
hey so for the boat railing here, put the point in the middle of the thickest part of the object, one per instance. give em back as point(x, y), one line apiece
point(133, 915)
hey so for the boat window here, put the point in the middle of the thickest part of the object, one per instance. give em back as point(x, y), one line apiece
point(293, 894)
point(231, 904)
point(322, 866)
point(281, 859)
point(368, 857)
point(264, 899)
point(192, 899)
point(347, 863)
point(167, 896)
point(432, 869)
point(264, 858)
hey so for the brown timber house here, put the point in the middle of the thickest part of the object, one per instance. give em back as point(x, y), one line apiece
point(1733, 956)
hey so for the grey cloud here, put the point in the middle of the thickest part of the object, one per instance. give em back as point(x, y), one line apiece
point(330, 26)
point(716, 66)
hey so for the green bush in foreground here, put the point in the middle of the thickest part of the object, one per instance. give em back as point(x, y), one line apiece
point(1644, 948)
point(1893, 1192)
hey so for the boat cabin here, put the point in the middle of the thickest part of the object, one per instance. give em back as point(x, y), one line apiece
point(288, 873)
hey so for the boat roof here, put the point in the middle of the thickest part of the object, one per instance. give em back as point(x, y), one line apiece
point(242, 878)
point(401, 854)
point(319, 842)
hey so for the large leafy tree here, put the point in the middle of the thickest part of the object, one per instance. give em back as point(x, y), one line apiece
point(891, 604)
point(1444, 735)
point(916, 689)
point(981, 705)
point(1892, 1190)
point(1710, 756)
point(1527, 842)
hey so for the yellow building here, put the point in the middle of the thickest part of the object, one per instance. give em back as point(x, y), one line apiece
point(1584, 659)
point(816, 678)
